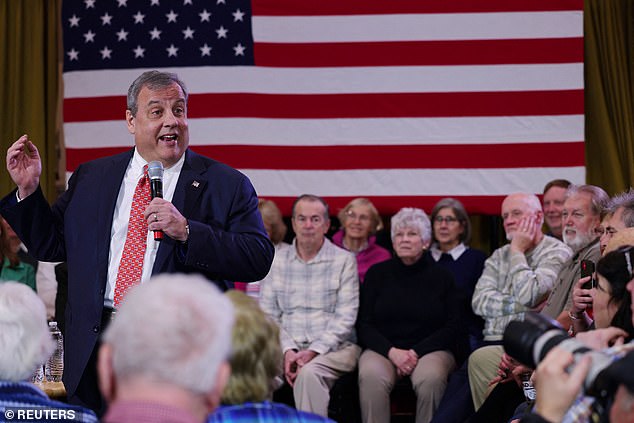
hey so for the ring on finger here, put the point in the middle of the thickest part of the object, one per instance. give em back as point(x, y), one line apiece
point(156, 217)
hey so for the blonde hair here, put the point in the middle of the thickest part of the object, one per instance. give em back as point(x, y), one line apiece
point(273, 217)
point(257, 354)
point(376, 224)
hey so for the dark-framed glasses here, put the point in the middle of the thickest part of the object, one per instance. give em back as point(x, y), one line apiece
point(447, 219)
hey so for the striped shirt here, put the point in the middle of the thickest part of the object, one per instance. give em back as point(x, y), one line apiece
point(315, 303)
point(513, 283)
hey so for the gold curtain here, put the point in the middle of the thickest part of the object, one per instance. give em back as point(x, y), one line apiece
point(609, 93)
point(30, 96)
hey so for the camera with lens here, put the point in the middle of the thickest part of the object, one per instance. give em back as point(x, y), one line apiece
point(530, 340)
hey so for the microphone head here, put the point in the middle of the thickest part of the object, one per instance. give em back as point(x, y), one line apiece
point(155, 170)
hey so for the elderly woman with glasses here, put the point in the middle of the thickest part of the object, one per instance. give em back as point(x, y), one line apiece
point(450, 249)
point(409, 322)
point(359, 222)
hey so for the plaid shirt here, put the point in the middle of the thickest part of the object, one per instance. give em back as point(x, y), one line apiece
point(315, 303)
point(263, 412)
point(513, 283)
point(26, 395)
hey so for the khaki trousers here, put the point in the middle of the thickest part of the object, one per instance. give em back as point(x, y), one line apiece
point(315, 379)
point(377, 376)
point(483, 365)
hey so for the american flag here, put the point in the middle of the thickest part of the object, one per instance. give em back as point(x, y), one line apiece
point(403, 102)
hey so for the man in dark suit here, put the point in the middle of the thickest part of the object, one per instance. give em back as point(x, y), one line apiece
point(208, 214)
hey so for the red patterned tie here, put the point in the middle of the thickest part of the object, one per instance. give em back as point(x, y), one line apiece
point(131, 265)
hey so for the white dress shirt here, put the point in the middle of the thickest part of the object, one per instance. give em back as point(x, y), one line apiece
point(122, 216)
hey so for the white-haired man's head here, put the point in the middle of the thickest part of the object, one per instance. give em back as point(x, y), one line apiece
point(25, 340)
point(175, 330)
point(517, 206)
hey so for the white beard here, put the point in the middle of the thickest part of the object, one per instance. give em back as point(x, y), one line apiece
point(580, 239)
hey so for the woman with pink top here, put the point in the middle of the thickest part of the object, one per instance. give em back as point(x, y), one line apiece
point(359, 222)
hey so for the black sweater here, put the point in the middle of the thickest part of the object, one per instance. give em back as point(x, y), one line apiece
point(409, 307)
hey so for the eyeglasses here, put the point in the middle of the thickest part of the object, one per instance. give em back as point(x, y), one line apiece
point(447, 219)
point(600, 231)
point(353, 216)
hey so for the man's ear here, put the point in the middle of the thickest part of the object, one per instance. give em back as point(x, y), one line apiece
point(129, 119)
point(539, 215)
point(107, 382)
point(222, 378)
point(326, 226)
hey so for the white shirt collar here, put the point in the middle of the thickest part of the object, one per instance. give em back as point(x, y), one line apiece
point(138, 162)
point(455, 252)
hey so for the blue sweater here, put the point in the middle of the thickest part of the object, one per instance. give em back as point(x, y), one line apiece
point(466, 271)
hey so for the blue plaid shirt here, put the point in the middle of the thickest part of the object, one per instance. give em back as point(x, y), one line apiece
point(263, 412)
point(21, 395)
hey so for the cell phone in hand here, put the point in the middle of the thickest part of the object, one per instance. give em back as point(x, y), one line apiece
point(587, 269)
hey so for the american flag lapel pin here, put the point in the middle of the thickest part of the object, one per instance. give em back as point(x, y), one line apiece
point(195, 184)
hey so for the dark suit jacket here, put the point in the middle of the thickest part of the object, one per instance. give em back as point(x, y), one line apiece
point(227, 240)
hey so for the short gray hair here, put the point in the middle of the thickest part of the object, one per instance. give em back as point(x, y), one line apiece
point(174, 329)
point(624, 200)
point(25, 340)
point(410, 217)
point(599, 197)
point(154, 80)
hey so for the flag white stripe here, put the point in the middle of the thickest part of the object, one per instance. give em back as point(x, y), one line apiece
point(380, 79)
point(324, 132)
point(417, 27)
point(408, 182)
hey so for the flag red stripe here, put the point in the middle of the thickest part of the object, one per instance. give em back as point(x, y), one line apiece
point(420, 53)
point(390, 205)
point(373, 7)
point(324, 106)
point(375, 156)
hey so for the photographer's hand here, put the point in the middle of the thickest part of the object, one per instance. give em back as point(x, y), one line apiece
point(599, 339)
point(556, 388)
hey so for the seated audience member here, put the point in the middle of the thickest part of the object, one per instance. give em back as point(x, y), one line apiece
point(409, 323)
point(312, 293)
point(518, 277)
point(25, 344)
point(619, 215)
point(612, 307)
point(13, 269)
point(451, 233)
point(359, 222)
point(273, 223)
point(255, 364)
point(580, 216)
point(558, 390)
point(276, 230)
point(164, 355)
point(554, 197)
point(608, 296)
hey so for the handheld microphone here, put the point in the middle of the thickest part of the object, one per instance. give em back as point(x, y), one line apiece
point(155, 172)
